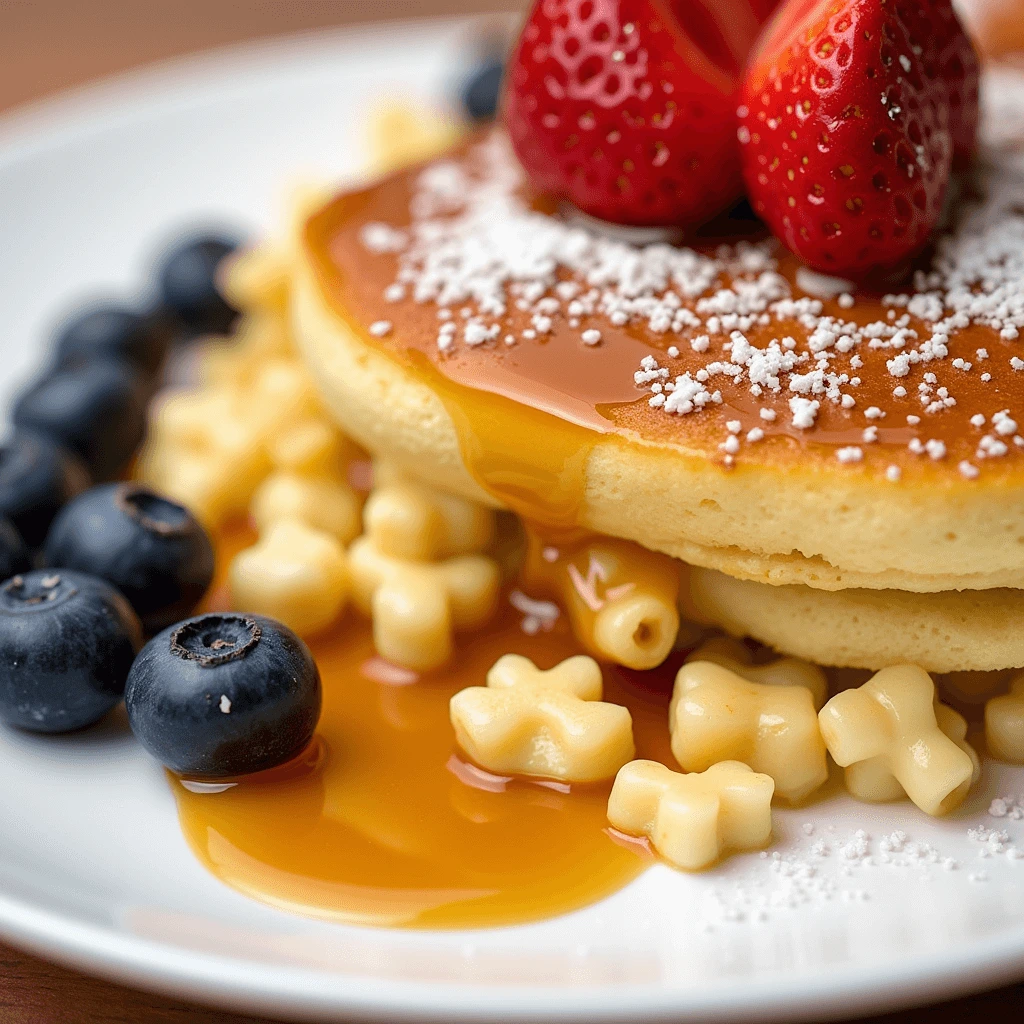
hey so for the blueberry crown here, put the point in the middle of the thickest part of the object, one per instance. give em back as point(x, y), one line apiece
point(22, 593)
point(215, 639)
point(151, 510)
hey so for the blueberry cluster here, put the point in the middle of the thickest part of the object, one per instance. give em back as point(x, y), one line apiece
point(91, 399)
point(94, 564)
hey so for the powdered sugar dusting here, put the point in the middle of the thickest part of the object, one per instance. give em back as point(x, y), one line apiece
point(1007, 807)
point(823, 865)
point(474, 245)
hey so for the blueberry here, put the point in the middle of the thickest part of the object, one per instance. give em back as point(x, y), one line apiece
point(96, 410)
point(67, 641)
point(14, 555)
point(152, 549)
point(37, 478)
point(482, 90)
point(188, 284)
point(224, 694)
point(113, 332)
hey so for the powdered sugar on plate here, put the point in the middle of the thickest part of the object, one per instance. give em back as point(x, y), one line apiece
point(827, 865)
point(1007, 807)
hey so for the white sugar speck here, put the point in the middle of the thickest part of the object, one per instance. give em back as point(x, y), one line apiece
point(804, 411)
point(381, 238)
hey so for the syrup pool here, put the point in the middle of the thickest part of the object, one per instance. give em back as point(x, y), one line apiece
point(383, 823)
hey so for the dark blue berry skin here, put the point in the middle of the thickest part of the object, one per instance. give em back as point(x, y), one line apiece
point(14, 555)
point(482, 91)
point(67, 641)
point(188, 284)
point(149, 547)
point(37, 479)
point(223, 695)
point(96, 410)
point(113, 332)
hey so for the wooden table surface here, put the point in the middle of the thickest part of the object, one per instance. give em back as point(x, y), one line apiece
point(49, 45)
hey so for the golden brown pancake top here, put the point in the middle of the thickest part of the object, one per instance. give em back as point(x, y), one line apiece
point(514, 271)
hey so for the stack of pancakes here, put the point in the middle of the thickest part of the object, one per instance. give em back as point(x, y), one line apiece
point(841, 468)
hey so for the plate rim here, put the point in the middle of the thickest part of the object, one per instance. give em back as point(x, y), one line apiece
point(237, 984)
point(233, 983)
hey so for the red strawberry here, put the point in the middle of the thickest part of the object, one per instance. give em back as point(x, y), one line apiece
point(626, 107)
point(845, 127)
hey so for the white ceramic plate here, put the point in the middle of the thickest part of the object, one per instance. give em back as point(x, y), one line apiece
point(93, 868)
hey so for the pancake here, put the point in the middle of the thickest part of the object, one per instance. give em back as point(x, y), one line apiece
point(970, 630)
point(658, 497)
point(559, 430)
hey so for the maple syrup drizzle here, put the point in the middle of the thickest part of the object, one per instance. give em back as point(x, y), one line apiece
point(384, 823)
point(534, 463)
point(535, 392)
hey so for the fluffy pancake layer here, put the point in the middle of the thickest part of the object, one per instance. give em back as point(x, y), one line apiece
point(390, 412)
point(970, 630)
point(792, 524)
point(859, 452)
